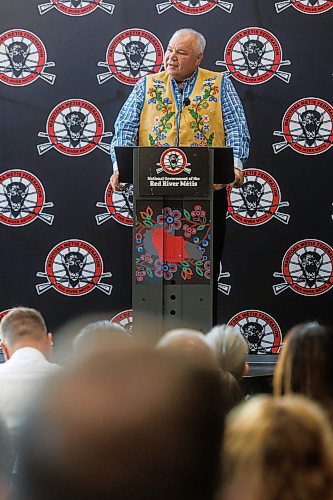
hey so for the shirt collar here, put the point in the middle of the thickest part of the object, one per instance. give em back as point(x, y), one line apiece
point(27, 352)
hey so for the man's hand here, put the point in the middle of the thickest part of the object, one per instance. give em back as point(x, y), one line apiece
point(114, 181)
point(239, 179)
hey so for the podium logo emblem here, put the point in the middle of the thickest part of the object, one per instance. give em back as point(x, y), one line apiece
point(307, 127)
point(23, 59)
point(307, 268)
point(259, 329)
point(130, 55)
point(74, 128)
point(73, 268)
point(22, 199)
point(257, 201)
point(194, 7)
point(305, 6)
point(254, 56)
point(173, 161)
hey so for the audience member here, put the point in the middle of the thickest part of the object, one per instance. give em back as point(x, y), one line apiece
point(277, 449)
point(26, 344)
point(189, 343)
point(231, 350)
point(125, 425)
point(99, 335)
point(6, 463)
point(305, 364)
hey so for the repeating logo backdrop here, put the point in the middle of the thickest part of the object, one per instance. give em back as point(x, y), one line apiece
point(67, 66)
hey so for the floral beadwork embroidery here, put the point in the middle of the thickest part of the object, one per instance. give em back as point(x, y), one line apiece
point(161, 124)
point(200, 123)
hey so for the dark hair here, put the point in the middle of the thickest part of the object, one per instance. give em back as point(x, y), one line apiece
point(305, 363)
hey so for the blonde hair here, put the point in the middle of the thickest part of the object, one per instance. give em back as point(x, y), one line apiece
point(280, 449)
point(230, 349)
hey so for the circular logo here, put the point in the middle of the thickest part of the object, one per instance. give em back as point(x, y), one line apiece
point(133, 54)
point(75, 127)
point(120, 203)
point(253, 55)
point(307, 267)
point(308, 126)
point(195, 7)
point(307, 6)
point(260, 330)
point(257, 201)
point(125, 319)
point(74, 267)
point(22, 197)
point(22, 57)
point(173, 161)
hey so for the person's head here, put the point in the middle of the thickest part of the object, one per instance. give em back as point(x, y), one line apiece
point(188, 343)
point(184, 53)
point(304, 364)
point(277, 449)
point(230, 348)
point(123, 425)
point(102, 334)
point(24, 327)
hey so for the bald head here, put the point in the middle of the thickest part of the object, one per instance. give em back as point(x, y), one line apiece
point(189, 343)
point(124, 425)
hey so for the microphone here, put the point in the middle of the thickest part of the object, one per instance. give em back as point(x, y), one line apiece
point(187, 101)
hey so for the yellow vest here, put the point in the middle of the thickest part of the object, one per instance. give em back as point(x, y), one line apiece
point(199, 124)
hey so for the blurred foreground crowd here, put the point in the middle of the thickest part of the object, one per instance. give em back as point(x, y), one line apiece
point(120, 417)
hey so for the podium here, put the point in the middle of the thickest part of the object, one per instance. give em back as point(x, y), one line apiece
point(173, 233)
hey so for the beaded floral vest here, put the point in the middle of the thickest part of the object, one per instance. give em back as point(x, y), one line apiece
point(199, 123)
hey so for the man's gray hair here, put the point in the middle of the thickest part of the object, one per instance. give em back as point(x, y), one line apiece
point(230, 348)
point(200, 41)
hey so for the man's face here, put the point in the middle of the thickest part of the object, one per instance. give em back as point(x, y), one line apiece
point(181, 57)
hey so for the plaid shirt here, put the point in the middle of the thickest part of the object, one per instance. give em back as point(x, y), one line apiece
point(235, 126)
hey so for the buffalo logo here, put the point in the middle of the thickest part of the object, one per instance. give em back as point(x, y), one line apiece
point(173, 161)
point(74, 128)
point(305, 6)
point(76, 7)
point(194, 7)
point(22, 199)
point(260, 330)
point(257, 201)
point(73, 268)
point(131, 55)
point(223, 287)
point(118, 204)
point(124, 319)
point(254, 56)
point(307, 127)
point(23, 59)
point(307, 268)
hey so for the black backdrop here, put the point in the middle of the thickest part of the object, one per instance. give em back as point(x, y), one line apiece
point(279, 55)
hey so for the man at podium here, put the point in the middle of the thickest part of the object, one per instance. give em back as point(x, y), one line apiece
point(186, 105)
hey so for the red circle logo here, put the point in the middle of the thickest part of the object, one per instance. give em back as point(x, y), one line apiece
point(307, 268)
point(134, 53)
point(305, 6)
point(75, 127)
point(257, 201)
point(253, 56)
point(173, 161)
point(22, 197)
point(120, 204)
point(259, 329)
point(194, 7)
point(124, 319)
point(23, 57)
